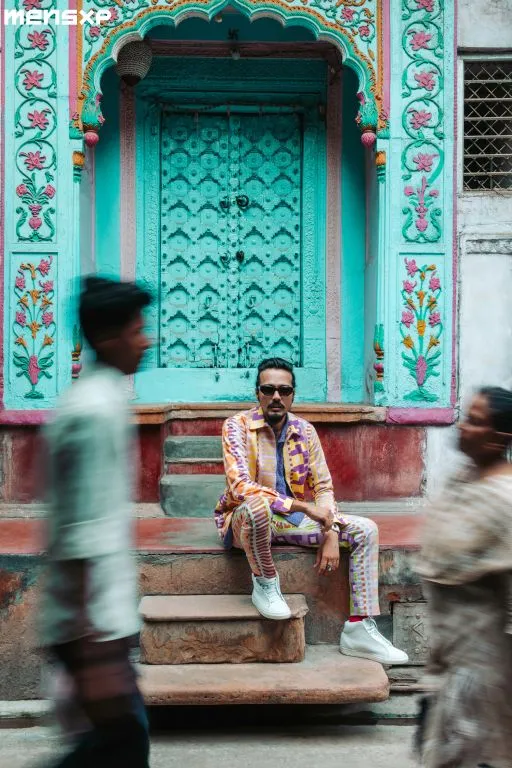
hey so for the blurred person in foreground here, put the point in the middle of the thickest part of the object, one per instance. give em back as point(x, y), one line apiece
point(90, 617)
point(466, 564)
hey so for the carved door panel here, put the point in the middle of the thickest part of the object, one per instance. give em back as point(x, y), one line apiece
point(230, 239)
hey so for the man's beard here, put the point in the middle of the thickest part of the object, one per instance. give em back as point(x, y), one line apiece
point(274, 417)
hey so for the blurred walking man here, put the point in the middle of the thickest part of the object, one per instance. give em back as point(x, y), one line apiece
point(90, 618)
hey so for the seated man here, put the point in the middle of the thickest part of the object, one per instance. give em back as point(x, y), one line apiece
point(271, 456)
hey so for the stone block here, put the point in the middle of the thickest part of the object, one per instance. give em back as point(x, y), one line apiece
point(193, 447)
point(324, 677)
point(218, 629)
point(190, 495)
point(411, 631)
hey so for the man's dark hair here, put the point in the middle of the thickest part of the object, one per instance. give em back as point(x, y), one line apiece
point(107, 306)
point(275, 362)
point(500, 405)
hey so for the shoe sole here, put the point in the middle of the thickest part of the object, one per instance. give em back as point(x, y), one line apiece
point(372, 657)
point(272, 618)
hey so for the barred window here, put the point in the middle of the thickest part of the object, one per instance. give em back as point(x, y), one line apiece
point(488, 125)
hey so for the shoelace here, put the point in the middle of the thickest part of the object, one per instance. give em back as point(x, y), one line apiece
point(272, 592)
point(372, 629)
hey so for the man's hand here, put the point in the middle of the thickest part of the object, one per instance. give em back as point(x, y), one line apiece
point(322, 515)
point(328, 555)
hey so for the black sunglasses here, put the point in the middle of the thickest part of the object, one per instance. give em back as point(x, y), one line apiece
point(268, 390)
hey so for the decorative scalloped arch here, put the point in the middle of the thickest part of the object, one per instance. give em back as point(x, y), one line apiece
point(353, 28)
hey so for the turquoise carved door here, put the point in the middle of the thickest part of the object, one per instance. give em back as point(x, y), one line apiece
point(231, 249)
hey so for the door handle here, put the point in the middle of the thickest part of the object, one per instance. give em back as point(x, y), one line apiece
point(240, 256)
point(224, 259)
point(242, 201)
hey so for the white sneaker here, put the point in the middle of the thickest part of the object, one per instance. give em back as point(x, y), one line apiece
point(267, 598)
point(363, 639)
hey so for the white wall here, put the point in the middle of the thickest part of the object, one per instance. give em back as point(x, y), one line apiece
point(484, 228)
point(485, 24)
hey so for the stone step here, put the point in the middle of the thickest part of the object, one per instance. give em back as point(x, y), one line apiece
point(218, 629)
point(197, 448)
point(190, 495)
point(324, 677)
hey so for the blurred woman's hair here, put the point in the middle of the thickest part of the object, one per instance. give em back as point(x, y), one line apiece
point(500, 405)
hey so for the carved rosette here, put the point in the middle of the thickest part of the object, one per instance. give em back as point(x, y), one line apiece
point(422, 119)
point(35, 122)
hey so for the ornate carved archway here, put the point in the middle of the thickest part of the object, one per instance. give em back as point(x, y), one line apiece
point(353, 27)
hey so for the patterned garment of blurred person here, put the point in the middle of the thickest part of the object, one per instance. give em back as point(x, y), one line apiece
point(466, 564)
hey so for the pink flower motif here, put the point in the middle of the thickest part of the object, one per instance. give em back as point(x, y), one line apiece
point(76, 368)
point(34, 160)
point(420, 118)
point(114, 15)
point(408, 191)
point(21, 318)
point(39, 40)
point(425, 80)
point(39, 119)
point(348, 14)
point(49, 191)
point(409, 287)
point(411, 267)
point(31, 4)
point(35, 222)
point(33, 370)
point(47, 286)
point(421, 370)
point(434, 283)
point(424, 162)
point(407, 318)
point(47, 318)
point(32, 79)
point(20, 283)
point(434, 319)
point(35, 209)
point(434, 193)
point(94, 32)
point(419, 40)
point(426, 5)
point(21, 190)
point(421, 224)
point(44, 267)
point(364, 30)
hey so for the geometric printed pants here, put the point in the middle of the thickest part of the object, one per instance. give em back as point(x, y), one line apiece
point(255, 528)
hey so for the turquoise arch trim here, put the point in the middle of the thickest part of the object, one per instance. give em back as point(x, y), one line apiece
point(326, 25)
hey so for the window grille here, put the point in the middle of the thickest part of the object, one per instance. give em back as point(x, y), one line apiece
point(488, 125)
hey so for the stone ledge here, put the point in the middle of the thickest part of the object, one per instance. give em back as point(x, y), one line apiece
point(324, 677)
point(156, 608)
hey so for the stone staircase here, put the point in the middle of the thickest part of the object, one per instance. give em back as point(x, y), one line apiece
point(193, 476)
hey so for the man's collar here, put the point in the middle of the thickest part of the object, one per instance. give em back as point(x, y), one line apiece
point(257, 421)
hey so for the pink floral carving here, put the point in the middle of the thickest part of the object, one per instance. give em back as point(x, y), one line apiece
point(31, 4)
point(20, 282)
point(411, 267)
point(423, 203)
point(44, 267)
point(94, 32)
point(39, 119)
point(419, 40)
point(35, 208)
point(33, 370)
point(348, 14)
point(21, 190)
point(426, 80)
point(409, 287)
point(39, 40)
point(421, 370)
point(434, 283)
point(434, 319)
point(49, 191)
point(21, 318)
point(35, 223)
point(426, 5)
point(47, 286)
point(47, 318)
point(34, 160)
point(433, 193)
point(407, 318)
point(409, 191)
point(420, 118)
point(32, 79)
point(424, 162)
point(364, 30)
